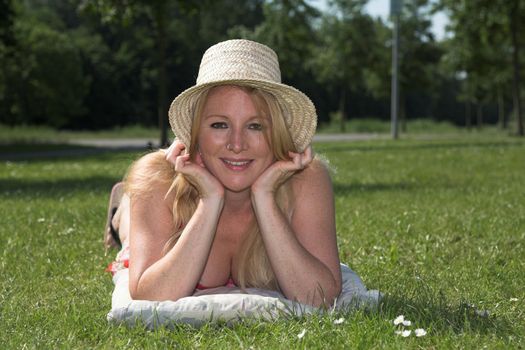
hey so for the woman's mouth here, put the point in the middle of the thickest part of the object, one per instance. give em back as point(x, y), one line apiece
point(236, 165)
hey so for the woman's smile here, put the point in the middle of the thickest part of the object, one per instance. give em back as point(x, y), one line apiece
point(233, 137)
point(237, 164)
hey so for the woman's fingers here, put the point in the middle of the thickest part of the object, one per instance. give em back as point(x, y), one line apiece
point(197, 174)
point(297, 160)
point(300, 160)
point(282, 170)
point(180, 162)
point(174, 151)
point(308, 156)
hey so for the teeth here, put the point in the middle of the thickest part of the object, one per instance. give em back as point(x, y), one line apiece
point(236, 163)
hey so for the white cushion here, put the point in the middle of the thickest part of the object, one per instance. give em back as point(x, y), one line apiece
point(227, 304)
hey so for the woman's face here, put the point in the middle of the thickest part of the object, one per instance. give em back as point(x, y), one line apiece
point(231, 138)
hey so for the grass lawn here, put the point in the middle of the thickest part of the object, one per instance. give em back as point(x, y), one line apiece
point(38, 134)
point(438, 226)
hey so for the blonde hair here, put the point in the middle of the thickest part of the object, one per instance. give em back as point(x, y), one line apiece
point(254, 266)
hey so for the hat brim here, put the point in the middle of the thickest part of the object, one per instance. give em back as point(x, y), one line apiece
point(298, 110)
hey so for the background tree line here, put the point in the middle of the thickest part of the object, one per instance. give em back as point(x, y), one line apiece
point(93, 64)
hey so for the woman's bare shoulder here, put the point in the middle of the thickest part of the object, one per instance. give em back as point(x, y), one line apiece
point(317, 171)
point(312, 182)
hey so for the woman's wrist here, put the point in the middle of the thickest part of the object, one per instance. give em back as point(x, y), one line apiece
point(262, 199)
point(213, 200)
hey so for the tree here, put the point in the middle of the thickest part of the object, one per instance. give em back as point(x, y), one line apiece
point(486, 34)
point(515, 14)
point(43, 77)
point(183, 30)
point(123, 10)
point(347, 45)
point(7, 53)
point(7, 36)
point(289, 28)
point(419, 58)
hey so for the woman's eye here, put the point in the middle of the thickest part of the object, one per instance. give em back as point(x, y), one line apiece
point(219, 125)
point(255, 126)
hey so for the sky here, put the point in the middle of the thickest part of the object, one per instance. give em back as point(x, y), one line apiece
point(381, 8)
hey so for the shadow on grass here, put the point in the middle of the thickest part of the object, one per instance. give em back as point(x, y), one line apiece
point(416, 145)
point(49, 151)
point(28, 151)
point(430, 310)
point(56, 188)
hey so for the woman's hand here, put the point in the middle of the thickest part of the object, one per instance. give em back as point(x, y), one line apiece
point(277, 173)
point(174, 150)
point(194, 170)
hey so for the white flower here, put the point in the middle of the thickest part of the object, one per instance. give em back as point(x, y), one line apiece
point(513, 299)
point(399, 319)
point(301, 335)
point(420, 332)
point(41, 220)
point(404, 334)
point(339, 320)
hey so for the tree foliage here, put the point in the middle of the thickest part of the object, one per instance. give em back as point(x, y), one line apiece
point(101, 63)
point(347, 45)
point(485, 53)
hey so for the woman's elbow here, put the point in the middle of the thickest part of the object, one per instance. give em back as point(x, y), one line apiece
point(138, 295)
point(335, 294)
point(329, 296)
point(321, 296)
point(138, 292)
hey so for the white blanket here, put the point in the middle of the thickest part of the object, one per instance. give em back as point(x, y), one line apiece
point(225, 304)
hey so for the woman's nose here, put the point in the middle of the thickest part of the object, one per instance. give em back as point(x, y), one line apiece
point(237, 142)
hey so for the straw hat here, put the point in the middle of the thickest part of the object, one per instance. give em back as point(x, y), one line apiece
point(244, 62)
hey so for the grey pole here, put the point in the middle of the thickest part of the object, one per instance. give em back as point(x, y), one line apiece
point(395, 11)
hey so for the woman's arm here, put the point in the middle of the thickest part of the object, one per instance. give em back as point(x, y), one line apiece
point(303, 253)
point(154, 276)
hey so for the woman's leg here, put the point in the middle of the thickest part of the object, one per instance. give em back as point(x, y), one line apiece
point(117, 224)
point(120, 220)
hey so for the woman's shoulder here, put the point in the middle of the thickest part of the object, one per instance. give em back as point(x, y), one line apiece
point(319, 167)
point(315, 175)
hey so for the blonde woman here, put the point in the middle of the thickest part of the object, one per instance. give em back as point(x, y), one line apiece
point(238, 199)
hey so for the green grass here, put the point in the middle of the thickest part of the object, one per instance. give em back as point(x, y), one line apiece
point(414, 127)
point(438, 226)
point(40, 134)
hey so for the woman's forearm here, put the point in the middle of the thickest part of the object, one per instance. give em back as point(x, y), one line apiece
point(301, 276)
point(177, 273)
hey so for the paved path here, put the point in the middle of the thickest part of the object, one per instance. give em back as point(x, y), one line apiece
point(96, 146)
point(153, 142)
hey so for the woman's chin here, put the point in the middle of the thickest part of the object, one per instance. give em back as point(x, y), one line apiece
point(237, 188)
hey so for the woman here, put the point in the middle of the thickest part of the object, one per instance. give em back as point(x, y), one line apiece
point(239, 200)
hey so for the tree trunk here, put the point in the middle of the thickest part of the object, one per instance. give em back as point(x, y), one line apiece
point(403, 113)
point(516, 81)
point(159, 9)
point(479, 115)
point(342, 110)
point(468, 123)
point(501, 110)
